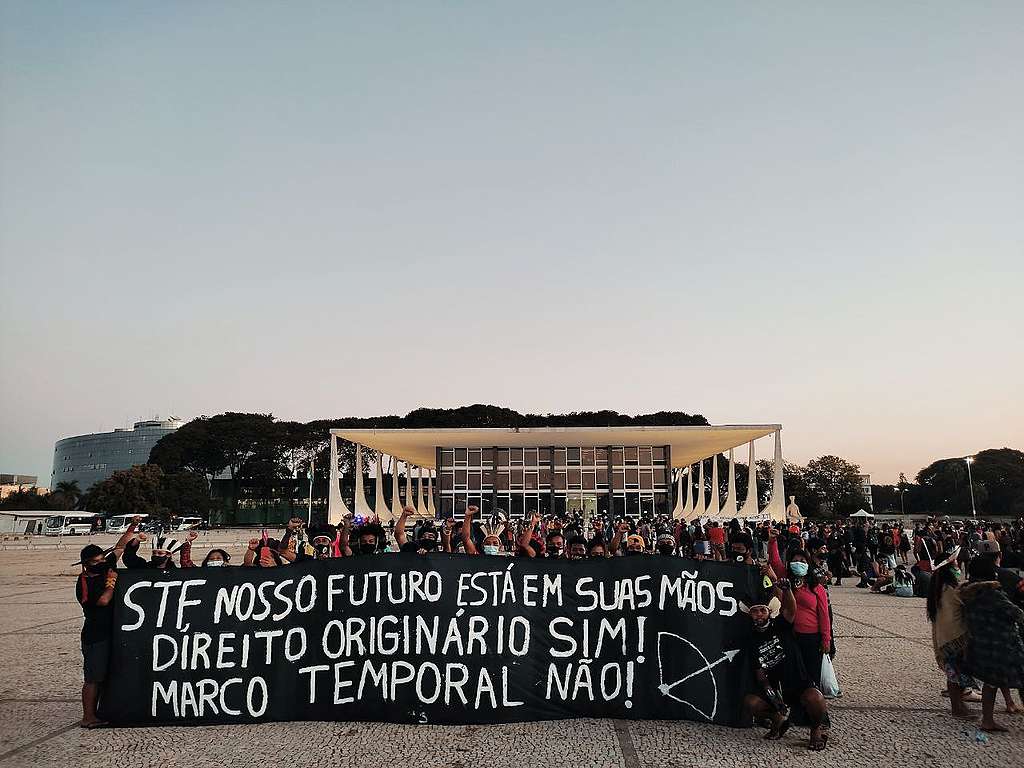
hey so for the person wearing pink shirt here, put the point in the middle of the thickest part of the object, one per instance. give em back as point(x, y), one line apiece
point(812, 627)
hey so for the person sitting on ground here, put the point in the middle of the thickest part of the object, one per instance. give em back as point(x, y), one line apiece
point(995, 638)
point(94, 591)
point(782, 683)
point(949, 634)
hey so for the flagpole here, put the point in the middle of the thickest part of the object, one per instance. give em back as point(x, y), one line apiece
point(309, 511)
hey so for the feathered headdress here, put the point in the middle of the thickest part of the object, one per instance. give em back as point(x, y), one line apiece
point(166, 543)
point(496, 524)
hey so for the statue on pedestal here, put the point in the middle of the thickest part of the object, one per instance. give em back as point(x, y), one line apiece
point(792, 511)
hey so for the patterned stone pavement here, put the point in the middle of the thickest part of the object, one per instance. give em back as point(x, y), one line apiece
point(891, 713)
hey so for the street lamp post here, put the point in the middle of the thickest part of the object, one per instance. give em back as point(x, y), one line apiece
point(970, 482)
point(902, 491)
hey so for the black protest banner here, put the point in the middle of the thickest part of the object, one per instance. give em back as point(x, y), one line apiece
point(435, 639)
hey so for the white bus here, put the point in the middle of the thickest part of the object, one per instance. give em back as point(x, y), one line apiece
point(120, 523)
point(186, 523)
point(69, 524)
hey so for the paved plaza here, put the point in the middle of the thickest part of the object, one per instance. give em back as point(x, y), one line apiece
point(891, 713)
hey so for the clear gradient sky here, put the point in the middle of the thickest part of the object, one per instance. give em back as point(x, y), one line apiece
point(806, 213)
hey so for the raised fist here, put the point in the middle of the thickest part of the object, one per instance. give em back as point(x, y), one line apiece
point(254, 544)
point(192, 536)
point(136, 519)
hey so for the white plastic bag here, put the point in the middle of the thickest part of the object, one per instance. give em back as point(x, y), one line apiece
point(829, 682)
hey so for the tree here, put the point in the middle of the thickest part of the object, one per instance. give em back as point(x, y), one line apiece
point(998, 475)
point(28, 499)
point(836, 483)
point(66, 495)
point(134, 491)
point(185, 493)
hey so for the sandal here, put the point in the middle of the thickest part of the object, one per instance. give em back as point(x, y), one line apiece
point(819, 743)
point(776, 734)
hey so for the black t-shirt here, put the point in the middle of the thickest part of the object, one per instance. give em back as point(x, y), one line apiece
point(775, 651)
point(99, 619)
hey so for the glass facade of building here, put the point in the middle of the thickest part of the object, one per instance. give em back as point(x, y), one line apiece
point(623, 480)
point(88, 459)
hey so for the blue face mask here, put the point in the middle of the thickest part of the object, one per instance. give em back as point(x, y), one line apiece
point(797, 568)
point(490, 549)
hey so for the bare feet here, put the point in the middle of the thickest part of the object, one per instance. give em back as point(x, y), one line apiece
point(965, 715)
point(994, 727)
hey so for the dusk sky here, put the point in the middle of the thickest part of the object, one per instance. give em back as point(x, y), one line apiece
point(804, 213)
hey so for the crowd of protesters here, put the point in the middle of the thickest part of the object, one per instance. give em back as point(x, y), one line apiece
point(978, 624)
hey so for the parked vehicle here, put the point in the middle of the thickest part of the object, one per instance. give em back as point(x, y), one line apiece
point(69, 524)
point(120, 523)
point(186, 523)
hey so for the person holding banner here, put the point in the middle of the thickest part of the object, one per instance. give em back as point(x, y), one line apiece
point(94, 591)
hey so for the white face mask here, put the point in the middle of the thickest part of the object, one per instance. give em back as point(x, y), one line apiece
point(214, 563)
point(490, 549)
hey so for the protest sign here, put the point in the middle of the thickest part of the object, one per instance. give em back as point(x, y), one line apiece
point(436, 639)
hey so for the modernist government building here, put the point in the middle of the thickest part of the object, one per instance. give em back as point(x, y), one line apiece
point(88, 459)
point(624, 471)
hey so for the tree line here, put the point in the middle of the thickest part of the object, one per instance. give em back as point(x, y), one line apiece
point(252, 457)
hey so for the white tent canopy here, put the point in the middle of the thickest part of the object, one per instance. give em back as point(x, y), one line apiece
point(861, 513)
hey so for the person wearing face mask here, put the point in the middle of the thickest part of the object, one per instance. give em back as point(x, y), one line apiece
point(216, 558)
point(368, 539)
point(812, 627)
point(741, 546)
point(530, 542)
point(597, 549)
point(577, 548)
point(491, 544)
point(665, 544)
point(94, 591)
point(783, 686)
point(635, 545)
point(162, 557)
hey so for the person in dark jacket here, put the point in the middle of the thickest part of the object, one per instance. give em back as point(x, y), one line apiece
point(995, 637)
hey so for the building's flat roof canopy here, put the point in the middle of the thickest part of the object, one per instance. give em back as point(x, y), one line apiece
point(689, 444)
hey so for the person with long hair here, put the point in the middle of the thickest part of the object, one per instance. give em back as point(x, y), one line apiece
point(995, 637)
point(812, 627)
point(949, 633)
